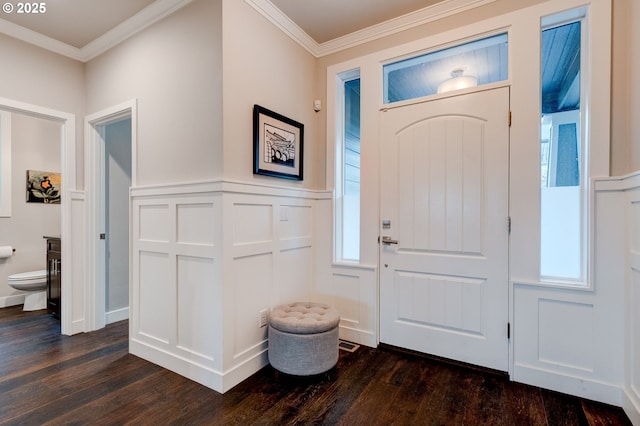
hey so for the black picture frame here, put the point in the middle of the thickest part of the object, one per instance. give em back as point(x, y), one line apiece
point(278, 145)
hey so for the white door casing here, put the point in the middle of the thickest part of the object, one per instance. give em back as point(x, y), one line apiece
point(445, 190)
point(94, 151)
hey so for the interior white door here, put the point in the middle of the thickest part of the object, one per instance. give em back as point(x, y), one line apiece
point(444, 204)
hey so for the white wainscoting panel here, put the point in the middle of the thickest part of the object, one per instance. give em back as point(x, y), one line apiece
point(268, 260)
point(154, 223)
point(156, 320)
point(566, 334)
point(561, 343)
point(176, 280)
point(252, 288)
point(351, 288)
point(353, 292)
point(632, 383)
point(208, 257)
point(195, 296)
point(572, 339)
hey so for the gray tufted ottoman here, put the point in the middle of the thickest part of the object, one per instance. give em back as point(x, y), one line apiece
point(303, 338)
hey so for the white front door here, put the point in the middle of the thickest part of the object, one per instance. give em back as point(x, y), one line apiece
point(444, 206)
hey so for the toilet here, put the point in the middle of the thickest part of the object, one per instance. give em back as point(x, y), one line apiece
point(34, 283)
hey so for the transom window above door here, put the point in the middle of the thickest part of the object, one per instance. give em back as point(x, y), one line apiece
point(475, 63)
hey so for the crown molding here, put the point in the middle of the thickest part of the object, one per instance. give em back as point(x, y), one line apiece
point(141, 20)
point(21, 33)
point(392, 26)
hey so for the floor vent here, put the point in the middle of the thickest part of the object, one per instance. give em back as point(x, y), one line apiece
point(347, 346)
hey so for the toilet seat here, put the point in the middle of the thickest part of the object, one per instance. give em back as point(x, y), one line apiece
point(28, 277)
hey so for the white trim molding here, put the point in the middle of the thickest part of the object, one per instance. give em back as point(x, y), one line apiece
point(410, 20)
point(94, 210)
point(13, 300)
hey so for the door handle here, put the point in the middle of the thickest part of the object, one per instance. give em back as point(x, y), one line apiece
point(387, 240)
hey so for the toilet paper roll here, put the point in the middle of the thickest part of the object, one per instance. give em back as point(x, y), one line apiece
point(6, 251)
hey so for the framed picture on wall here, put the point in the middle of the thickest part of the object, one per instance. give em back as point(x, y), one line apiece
point(277, 144)
point(43, 187)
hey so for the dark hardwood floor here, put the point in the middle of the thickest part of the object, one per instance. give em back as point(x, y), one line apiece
point(90, 379)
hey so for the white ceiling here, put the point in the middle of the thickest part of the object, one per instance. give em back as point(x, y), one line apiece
point(83, 29)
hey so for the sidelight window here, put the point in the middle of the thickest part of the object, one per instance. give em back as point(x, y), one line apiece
point(562, 156)
point(348, 170)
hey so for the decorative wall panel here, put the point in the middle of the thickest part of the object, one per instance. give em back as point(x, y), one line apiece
point(195, 297)
point(208, 257)
point(201, 214)
point(156, 310)
point(154, 223)
point(566, 334)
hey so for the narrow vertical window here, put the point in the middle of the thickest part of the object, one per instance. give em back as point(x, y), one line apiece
point(562, 157)
point(348, 170)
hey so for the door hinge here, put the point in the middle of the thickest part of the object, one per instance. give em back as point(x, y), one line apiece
point(509, 224)
point(509, 119)
point(103, 236)
point(508, 330)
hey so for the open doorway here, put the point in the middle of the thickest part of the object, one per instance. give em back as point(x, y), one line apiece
point(65, 142)
point(117, 181)
point(110, 173)
point(30, 198)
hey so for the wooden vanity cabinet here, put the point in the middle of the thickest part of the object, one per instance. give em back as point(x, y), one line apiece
point(54, 275)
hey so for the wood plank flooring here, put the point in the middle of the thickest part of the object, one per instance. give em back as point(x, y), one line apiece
point(90, 379)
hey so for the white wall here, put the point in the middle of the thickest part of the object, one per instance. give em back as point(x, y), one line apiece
point(35, 146)
point(173, 69)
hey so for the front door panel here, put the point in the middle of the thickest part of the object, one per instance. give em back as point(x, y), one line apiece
point(444, 275)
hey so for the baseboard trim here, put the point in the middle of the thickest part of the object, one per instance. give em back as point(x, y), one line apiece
point(572, 385)
point(117, 315)
point(78, 326)
point(362, 337)
point(13, 300)
point(206, 376)
point(631, 406)
point(198, 373)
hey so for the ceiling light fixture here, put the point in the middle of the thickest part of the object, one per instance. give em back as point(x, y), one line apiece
point(457, 81)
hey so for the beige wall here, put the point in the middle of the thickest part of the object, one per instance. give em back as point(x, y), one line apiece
point(42, 78)
point(625, 110)
point(35, 146)
point(633, 111)
point(35, 76)
point(261, 65)
point(173, 69)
